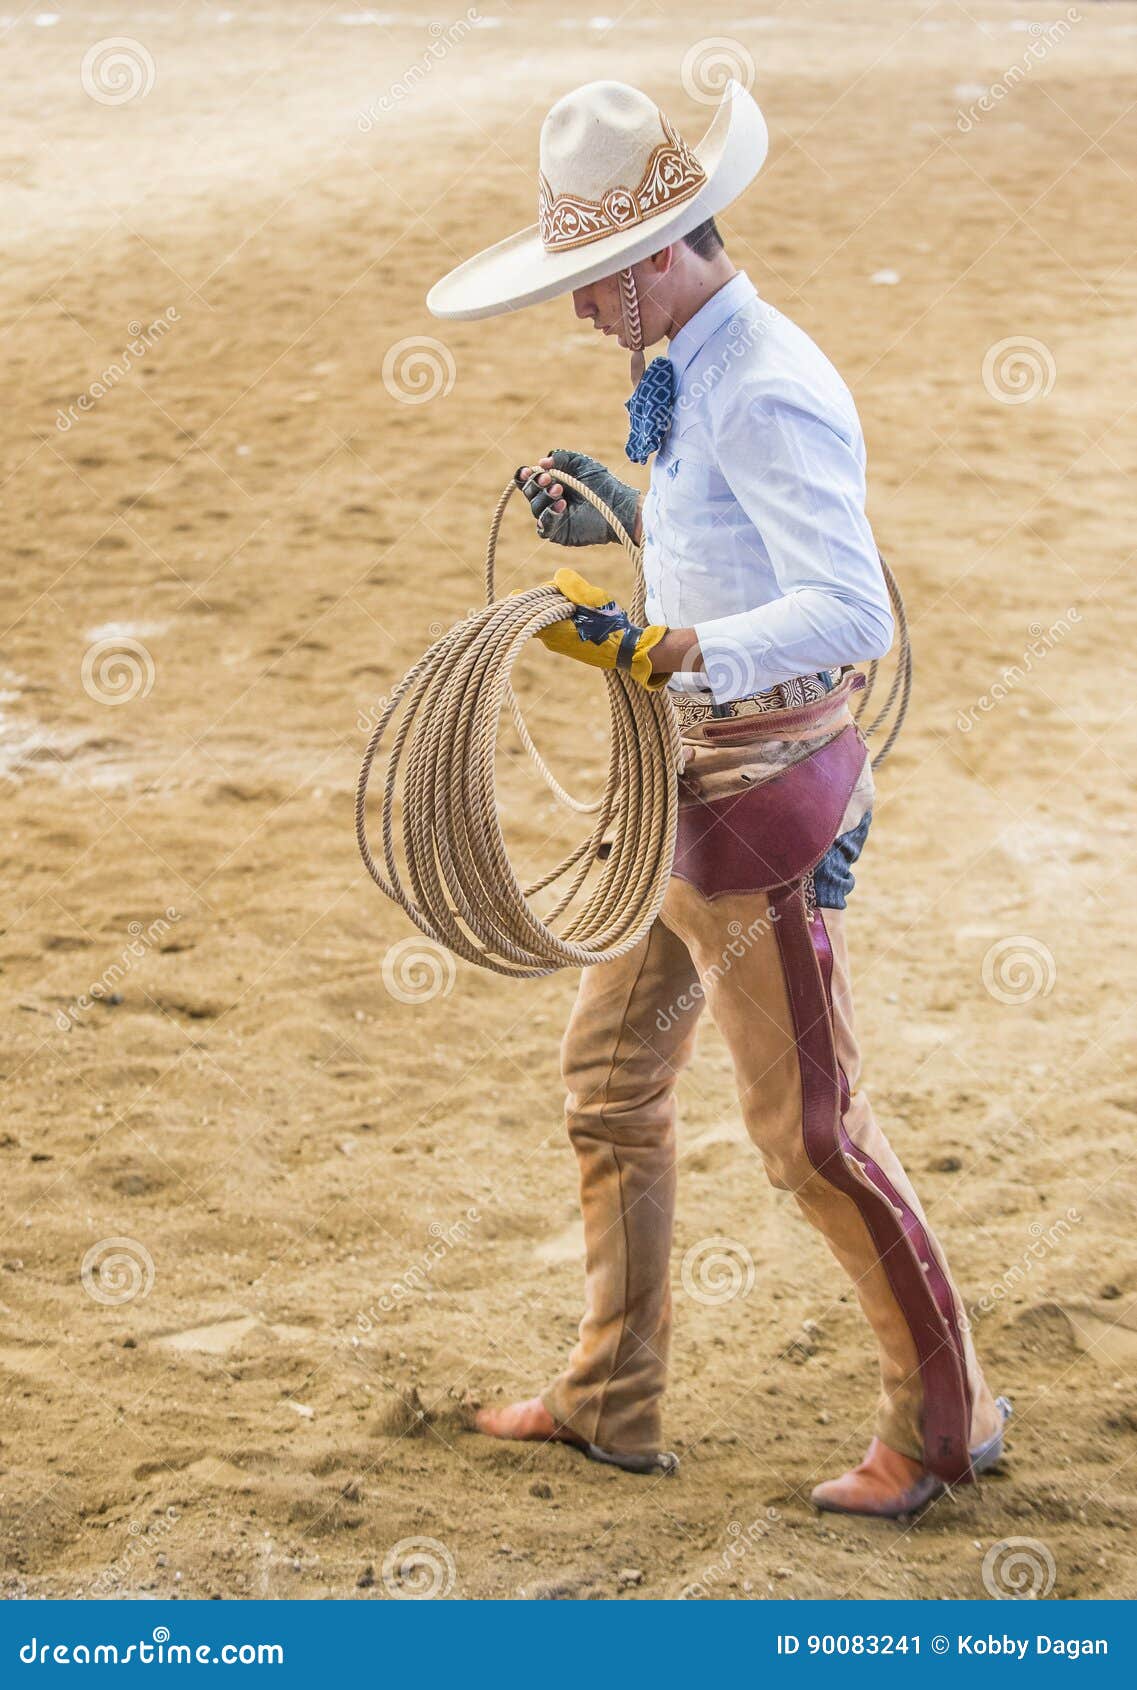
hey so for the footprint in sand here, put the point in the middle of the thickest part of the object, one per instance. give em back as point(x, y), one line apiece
point(222, 1337)
point(566, 1246)
point(1106, 1337)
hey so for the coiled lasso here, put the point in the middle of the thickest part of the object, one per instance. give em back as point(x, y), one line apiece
point(457, 884)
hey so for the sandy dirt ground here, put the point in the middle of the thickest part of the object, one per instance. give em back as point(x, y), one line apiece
point(276, 1196)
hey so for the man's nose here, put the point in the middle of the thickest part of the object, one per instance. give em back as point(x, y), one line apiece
point(583, 305)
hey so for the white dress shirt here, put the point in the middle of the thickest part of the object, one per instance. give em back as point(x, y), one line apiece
point(754, 526)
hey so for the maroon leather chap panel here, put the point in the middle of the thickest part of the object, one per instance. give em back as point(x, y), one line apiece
point(771, 833)
point(918, 1283)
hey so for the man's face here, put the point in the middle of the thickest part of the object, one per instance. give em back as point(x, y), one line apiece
point(600, 303)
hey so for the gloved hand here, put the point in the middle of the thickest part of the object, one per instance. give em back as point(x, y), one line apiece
point(576, 523)
point(600, 633)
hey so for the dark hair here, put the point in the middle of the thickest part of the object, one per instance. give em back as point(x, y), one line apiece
point(704, 241)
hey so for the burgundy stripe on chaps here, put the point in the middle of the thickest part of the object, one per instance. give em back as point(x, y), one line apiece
point(917, 1280)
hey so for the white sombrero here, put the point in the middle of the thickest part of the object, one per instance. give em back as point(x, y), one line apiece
point(617, 181)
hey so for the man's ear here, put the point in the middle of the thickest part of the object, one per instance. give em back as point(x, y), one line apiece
point(662, 260)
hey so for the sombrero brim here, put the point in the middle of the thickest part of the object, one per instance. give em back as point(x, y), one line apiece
point(519, 272)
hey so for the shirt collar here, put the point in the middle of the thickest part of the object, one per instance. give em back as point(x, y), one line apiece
point(697, 330)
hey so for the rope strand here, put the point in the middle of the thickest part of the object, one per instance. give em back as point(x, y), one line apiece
point(900, 691)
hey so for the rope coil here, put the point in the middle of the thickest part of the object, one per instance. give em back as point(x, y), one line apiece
point(456, 882)
point(458, 885)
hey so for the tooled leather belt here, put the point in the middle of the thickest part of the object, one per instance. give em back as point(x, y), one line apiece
point(693, 708)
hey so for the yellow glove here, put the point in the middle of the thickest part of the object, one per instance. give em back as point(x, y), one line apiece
point(600, 633)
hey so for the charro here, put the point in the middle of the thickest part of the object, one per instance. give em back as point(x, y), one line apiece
point(739, 795)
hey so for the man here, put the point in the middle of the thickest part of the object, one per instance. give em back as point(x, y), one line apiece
point(763, 587)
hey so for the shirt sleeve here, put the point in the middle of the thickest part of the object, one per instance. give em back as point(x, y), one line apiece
point(802, 484)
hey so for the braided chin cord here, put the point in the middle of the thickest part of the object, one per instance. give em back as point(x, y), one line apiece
point(456, 882)
point(633, 328)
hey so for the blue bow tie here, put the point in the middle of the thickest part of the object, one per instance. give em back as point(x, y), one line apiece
point(650, 409)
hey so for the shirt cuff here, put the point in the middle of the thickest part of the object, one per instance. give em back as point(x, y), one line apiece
point(733, 666)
